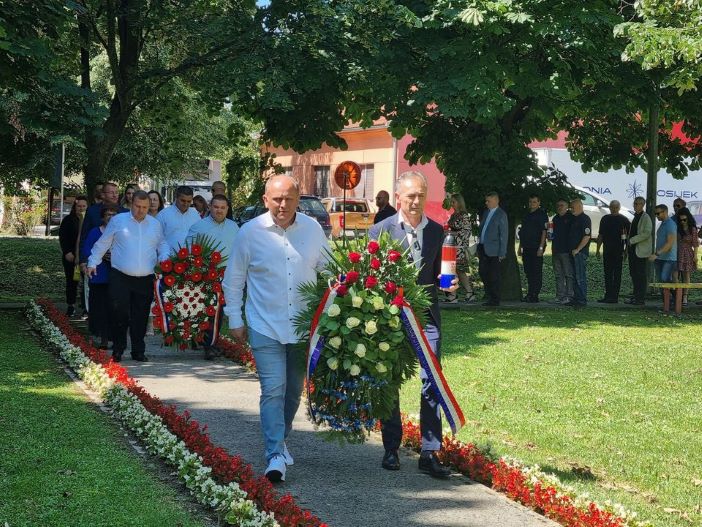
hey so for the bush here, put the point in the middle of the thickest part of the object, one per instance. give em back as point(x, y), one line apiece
point(23, 213)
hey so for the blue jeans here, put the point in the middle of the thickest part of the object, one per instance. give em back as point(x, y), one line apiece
point(281, 374)
point(580, 282)
point(665, 269)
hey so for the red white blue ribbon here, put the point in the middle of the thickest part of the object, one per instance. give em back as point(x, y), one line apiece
point(158, 297)
point(217, 316)
point(316, 340)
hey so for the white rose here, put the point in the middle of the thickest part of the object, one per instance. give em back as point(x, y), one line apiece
point(381, 367)
point(333, 363)
point(384, 346)
point(378, 303)
point(360, 350)
point(334, 310)
point(394, 322)
point(352, 322)
point(356, 301)
point(371, 327)
point(394, 309)
point(355, 370)
point(335, 342)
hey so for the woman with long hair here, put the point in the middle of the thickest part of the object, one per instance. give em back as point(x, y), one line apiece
point(461, 224)
point(200, 205)
point(155, 202)
point(69, 238)
point(688, 243)
point(129, 191)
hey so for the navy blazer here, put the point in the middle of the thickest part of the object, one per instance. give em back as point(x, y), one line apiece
point(432, 239)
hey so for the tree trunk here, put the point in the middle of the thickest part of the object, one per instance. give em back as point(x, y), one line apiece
point(510, 280)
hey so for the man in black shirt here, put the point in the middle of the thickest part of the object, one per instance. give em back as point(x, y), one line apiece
point(613, 233)
point(579, 243)
point(562, 260)
point(385, 210)
point(532, 241)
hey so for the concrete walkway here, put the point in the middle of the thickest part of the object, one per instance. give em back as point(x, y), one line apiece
point(344, 485)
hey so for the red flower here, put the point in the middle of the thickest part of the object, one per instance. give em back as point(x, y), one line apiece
point(166, 266)
point(216, 257)
point(172, 325)
point(390, 288)
point(204, 326)
point(394, 256)
point(217, 287)
point(351, 277)
point(169, 280)
point(197, 261)
point(168, 340)
point(156, 310)
point(197, 276)
point(398, 301)
point(354, 257)
point(183, 346)
point(221, 300)
point(180, 268)
point(370, 282)
point(373, 246)
point(211, 275)
point(183, 253)
point(158, 323)
point(375, 263)
point(341, 290)
point(211, 311)
point(168, 307)
point(196, 249)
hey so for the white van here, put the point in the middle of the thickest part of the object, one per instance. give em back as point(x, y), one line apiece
point(595, 206)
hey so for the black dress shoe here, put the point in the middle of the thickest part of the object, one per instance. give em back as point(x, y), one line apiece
point(391, 460)
point(140, 358)
point(429, 463)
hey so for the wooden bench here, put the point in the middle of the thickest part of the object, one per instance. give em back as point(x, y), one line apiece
point(678, 286)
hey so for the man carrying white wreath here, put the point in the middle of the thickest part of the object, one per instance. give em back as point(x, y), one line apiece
point(273, 255)
point(423, 239)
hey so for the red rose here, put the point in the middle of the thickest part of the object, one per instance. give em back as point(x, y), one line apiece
point(166, 266)
point(394, 256)
point(183, 345)
point(156, 310)
point(375, 263)
point(158, 323)
point(390, 288)
point(179, 268)
point(168, 340)
point(351, 277)
point(172, 325)
point(211, 275)
point(169, 280)
point(398, 301)
point(370, 282)
point(373, 246)
point(183, 253)
point(341, 290)
point(197, 277)
point(204, 326)
point(217, 287)
point(211, 311)
point(197, 261)
point(168, 307)
point(216, 257)
point(354, 257)
point(196, 249)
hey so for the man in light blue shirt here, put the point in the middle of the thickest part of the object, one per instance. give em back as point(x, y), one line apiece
point(666, 255)
point(178, 218)
point(221, 232)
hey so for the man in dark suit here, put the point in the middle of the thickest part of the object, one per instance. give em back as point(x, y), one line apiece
point(492, 247)
point(385, 210)
point(423, 237)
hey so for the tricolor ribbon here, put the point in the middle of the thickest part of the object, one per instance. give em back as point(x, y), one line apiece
point(158, 296)
point(316, 339)
point(218, 314)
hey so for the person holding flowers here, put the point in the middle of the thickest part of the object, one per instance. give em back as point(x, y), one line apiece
point(273, 255)
point(422, 238)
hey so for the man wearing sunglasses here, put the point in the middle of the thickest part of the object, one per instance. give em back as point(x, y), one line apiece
point(666, 255)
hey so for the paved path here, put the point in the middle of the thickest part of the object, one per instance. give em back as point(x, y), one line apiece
point(344, 485)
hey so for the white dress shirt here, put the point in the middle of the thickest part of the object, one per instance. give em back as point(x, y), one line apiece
point(272, 262)
point(135, 246)
point(222, 234)
point(176, 224)
point(415, 237)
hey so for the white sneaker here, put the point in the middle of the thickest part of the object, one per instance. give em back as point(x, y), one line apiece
point(286, 455)
point(276, 469)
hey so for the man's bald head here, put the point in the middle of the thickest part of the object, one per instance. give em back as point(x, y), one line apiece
point(614, 206)
point(281, 198)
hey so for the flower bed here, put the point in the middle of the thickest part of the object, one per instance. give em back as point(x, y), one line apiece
point(213, 476)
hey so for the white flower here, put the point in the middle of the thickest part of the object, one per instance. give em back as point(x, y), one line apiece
point(352, 322)
point(381, 367)
point(335, 342)
point(360, 350)
point(384, 346)
point(371, 327)
point(378, 303)
point(394, 323)
point(356, 301)
point(355, 370)
point(333, 363)
point(394, 309)
point(334, 310)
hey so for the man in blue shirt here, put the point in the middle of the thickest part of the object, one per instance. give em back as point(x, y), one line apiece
point(177, 219)
point(666, 255)
point(532, 241)
point(579, 242)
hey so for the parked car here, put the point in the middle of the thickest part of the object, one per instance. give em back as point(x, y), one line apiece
point(359, 215)
point(695, 208)
point(595, 206)
point(309, 205)
point(57, 212)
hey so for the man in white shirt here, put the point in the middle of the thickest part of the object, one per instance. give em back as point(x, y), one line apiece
point(273, 254)
point(177, 219)
point(222, 233)
point(135, 241)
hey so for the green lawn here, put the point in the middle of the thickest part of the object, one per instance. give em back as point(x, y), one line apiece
point(31, 267)
point(608, 400)
point(63, 462)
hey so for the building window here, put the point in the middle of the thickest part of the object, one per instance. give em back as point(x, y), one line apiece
point(365, 187)
point(321, 181)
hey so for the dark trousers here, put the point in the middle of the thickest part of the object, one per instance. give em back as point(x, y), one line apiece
point(533, 269)
point(71, 284)
point(99, 316)
point(489, 270)
point(637, 270)
point(130, 300)
point(429, 408)
point(612, 262)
